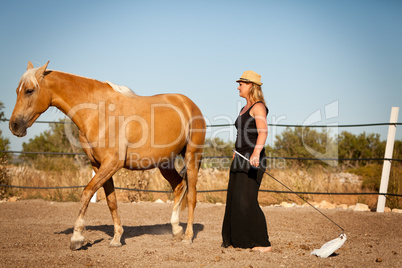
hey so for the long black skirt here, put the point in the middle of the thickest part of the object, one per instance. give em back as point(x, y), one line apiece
point(244, 224)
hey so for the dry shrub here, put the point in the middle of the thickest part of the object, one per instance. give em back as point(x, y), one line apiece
point(30, 177)
point(313, 179)
point(54, 164)
point(142, 180)
point(212, 179)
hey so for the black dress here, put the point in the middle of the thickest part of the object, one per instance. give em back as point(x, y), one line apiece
point(244, 224)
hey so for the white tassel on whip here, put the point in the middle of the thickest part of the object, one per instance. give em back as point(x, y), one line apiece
point(330, 247)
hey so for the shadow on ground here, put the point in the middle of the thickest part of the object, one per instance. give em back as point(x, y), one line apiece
point(133, 231)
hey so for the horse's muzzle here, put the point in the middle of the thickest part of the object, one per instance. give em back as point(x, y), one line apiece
point(18, 127)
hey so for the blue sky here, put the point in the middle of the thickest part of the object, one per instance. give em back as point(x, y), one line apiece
point(311, 54)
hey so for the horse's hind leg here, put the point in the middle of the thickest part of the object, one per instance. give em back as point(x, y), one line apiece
point(192, 161)
point(179, 187)
point(112, 203)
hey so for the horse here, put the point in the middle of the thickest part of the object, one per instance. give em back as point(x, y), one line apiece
point(119, 129)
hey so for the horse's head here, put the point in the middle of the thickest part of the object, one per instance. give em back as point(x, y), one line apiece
point(33, 99)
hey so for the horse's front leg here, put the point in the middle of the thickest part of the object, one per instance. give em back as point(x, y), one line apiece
point(104, 173)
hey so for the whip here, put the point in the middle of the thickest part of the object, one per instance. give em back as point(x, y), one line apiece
point(328, 248)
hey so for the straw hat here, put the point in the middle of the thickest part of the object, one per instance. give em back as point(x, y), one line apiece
point(250, 77)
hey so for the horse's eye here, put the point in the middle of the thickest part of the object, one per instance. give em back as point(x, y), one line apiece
point(29, 91)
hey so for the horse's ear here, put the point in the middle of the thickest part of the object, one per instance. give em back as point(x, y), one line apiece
point(40, 73)
point(30, 65)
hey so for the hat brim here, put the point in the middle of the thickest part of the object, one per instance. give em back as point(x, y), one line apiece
point(248, 81)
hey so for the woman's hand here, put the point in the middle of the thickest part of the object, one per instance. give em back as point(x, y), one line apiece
point(255, 159)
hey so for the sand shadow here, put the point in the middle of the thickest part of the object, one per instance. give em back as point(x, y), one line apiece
point(133, 231)
point(333, 255)
point(90, 244)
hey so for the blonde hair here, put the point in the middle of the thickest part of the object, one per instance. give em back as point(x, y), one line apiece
point(256, 94)
point(29, 77)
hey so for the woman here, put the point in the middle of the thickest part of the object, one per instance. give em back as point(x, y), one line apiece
point(244, 224)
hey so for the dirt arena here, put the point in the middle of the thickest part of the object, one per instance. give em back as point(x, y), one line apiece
point(36, 233)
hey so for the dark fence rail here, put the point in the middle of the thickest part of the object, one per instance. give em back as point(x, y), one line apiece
point(210, 157)
point(207, 157)
point(269, 124)
point(199, 191)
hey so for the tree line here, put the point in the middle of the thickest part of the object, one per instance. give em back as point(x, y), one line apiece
point(305, 143)
point(309, 143)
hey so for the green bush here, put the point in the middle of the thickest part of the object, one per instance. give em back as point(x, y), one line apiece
point(4, 146)
point(371, 175)
point(4, 177)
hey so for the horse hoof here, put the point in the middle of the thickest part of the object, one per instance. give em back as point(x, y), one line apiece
point(187, 241)
point(115, 245)
point(75, 245)
point(178, 238)
point(179, 235)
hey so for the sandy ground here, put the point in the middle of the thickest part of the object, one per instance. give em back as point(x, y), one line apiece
point(36, 233)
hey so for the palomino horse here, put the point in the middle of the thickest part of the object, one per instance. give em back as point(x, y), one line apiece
point(119, 129)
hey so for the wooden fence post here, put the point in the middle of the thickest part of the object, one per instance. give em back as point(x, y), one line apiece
point(386, 169)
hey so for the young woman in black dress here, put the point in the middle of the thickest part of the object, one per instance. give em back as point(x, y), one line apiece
point(244, 224)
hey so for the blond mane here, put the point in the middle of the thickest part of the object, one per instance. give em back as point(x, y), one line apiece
point(29, 76)
point(122, 89)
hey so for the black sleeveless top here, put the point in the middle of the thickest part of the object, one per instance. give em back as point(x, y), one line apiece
point(247, 133)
